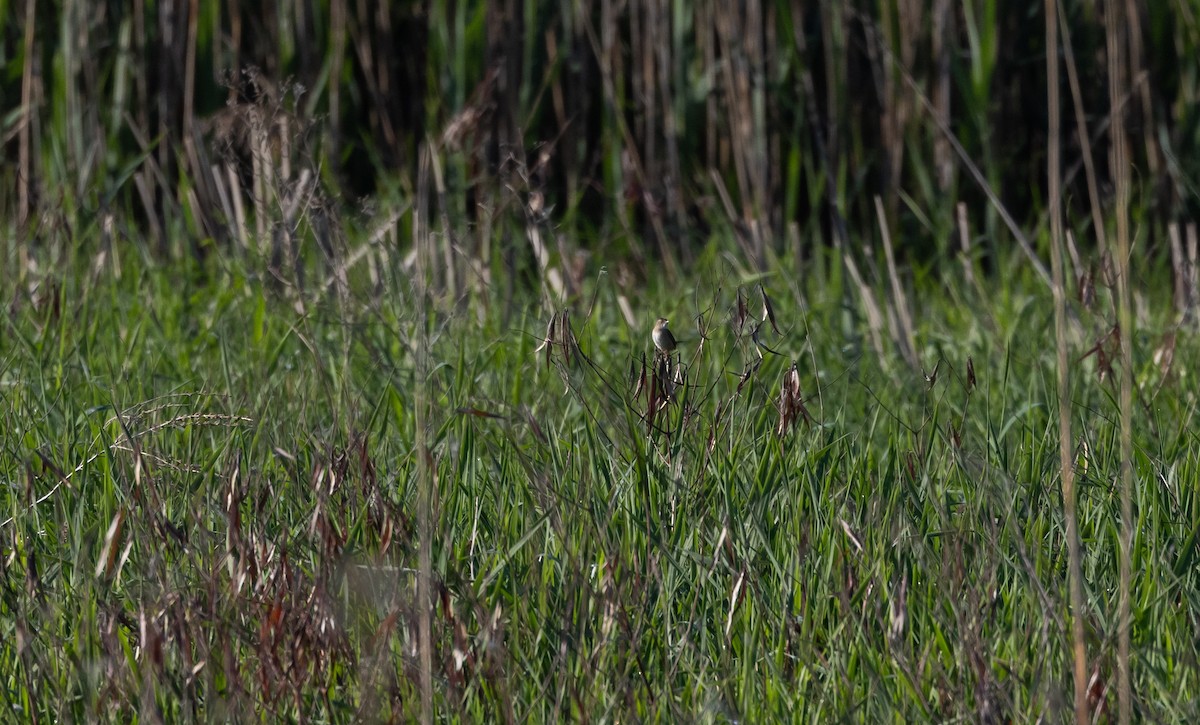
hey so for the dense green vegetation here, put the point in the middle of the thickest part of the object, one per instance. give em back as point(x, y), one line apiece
point(327, 389)
point(212, 500)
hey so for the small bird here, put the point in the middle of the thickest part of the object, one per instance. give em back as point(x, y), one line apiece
point(663, 339)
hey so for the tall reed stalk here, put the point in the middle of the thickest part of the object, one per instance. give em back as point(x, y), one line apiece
point(1054, 178)
point(1115, 23)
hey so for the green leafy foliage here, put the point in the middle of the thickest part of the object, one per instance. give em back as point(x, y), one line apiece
point(208, 494)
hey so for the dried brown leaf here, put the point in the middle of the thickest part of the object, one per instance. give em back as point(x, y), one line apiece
point(112, 541)
point(741, 314)
point(768, 309)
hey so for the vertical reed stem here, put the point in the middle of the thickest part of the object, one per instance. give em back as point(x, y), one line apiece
point(1120, 175)
point(421, 238)
point(1054, 175)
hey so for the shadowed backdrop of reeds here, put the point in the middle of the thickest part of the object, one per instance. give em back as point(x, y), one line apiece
point(328, 393)
point(641, 125)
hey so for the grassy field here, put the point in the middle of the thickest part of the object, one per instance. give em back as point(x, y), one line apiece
point(210, 498)
point(328, 393)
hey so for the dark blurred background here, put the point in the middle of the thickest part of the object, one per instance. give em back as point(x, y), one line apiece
point(648, 125)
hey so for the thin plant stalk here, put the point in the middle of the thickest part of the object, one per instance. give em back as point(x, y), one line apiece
point(1054, 175)
point(25, 152)
point(423, 459)
point(1120, 174)
point(1081, 132)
